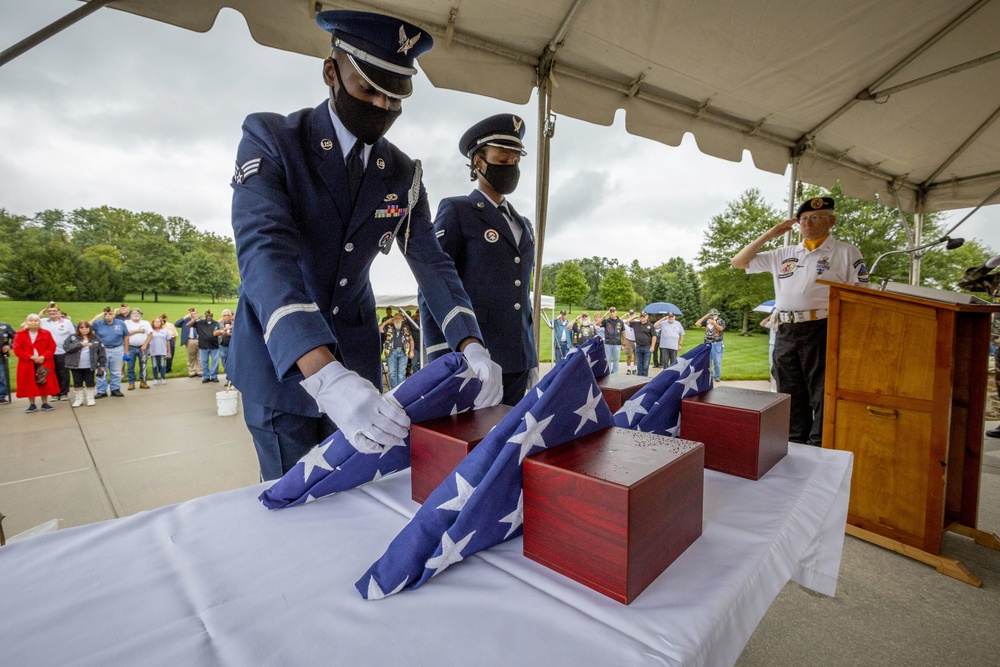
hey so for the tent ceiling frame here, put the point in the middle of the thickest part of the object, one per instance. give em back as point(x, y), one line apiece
point(867, 93)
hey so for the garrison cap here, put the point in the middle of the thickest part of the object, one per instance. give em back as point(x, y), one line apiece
point(815, 204)
point(503, 130)
point(381, 48)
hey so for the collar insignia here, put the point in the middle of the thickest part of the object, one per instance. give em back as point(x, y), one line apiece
point(406, 44)
point(380, 163)
point(326, 144)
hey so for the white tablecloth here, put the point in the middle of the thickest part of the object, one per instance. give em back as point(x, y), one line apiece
point(221, 581)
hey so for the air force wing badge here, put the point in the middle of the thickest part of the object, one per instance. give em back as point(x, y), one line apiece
point(246, 170)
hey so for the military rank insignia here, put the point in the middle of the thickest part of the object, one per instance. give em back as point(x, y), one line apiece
point(246, 170)
point(391, 211)
point(491, 236)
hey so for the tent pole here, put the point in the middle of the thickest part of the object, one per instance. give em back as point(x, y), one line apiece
point(541, 195)
point(51, 29)
point(792, 178)
point(918, 234)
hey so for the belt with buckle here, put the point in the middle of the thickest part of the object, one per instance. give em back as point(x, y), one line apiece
point(796, 316)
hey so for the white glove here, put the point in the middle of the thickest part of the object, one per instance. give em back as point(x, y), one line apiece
point(489, 374)
point(370, 421)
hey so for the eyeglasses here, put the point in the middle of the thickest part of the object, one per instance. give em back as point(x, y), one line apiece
point(815, 217)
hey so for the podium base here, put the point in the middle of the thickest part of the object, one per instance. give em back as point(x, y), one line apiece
point(946, 566)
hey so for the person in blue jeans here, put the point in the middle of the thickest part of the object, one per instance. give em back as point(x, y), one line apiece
point(140, 331)
point(209, 332)
point(112, 334)
point(563, 336)
point(399, 348)
point(714, 327)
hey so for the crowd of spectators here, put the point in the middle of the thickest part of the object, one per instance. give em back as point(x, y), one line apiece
point(92, 357)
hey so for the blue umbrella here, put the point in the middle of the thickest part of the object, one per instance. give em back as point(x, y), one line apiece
point(662, 308)
point(766, 307)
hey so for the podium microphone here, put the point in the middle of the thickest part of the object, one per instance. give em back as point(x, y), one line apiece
point(951, 245)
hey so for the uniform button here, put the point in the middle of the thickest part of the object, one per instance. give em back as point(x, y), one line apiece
point(343, 281)
point(349, 247)
point(517, 306)
point(517, 260)
point(517, 283)
point(336, 309)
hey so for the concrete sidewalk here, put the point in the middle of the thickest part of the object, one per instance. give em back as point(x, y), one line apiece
point(90, 464)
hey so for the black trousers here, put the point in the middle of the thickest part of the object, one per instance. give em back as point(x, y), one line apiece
point(62, 373)
point(514, 387)
point(800, 371)
point(281, 438)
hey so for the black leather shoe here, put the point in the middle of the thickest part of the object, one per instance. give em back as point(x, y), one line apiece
point(993, 432)
point(100, 396)
point(117, 394)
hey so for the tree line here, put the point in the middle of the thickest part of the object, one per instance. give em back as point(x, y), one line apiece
point(599, 282)
point(102, 254)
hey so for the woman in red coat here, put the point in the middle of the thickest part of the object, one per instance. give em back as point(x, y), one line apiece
point(35, 346)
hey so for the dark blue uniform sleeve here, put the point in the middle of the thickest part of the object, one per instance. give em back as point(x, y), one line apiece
point(450, 317)
point(268, 247)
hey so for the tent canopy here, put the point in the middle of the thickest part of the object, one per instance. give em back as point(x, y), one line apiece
point(884, 95)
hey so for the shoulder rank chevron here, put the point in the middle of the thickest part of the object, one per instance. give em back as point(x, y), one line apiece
point(246, 170)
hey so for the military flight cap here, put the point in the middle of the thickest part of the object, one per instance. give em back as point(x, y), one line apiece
point(381, 48)
point(503, 130)
point(815, 204)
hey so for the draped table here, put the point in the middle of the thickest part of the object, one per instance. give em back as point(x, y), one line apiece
point(219, 580)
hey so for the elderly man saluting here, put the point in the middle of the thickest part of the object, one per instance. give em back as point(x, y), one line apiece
point(316, 196)
point(801, 306)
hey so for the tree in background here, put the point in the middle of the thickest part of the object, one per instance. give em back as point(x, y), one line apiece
point(151, 264)
point(207, 273)
point(616, 289)
point(101, 275)
point(639, 277)
point(571, 285)
point(725, 288)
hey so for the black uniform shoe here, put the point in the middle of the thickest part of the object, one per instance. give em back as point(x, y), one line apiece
point(993, 432)
point(117, 394)
point(100, 396)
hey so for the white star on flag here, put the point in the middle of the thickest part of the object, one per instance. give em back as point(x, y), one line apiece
point(531, 436)
point(690, 383)
point(466, 375)
point(464, 493)
point(633, 407)
point(314, 459)
point(588, 411)
point(451, 553)
point(375, 591)
point(515, 518)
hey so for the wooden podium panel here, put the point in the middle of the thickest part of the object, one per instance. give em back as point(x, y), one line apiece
point(905, 392)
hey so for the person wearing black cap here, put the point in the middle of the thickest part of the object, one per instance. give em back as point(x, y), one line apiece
point(801, 306)
point(316, 196)
point(494, 251)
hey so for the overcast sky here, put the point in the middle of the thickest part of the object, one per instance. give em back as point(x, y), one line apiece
point(132, 113)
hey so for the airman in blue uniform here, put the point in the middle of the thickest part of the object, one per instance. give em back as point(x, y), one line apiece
point(494, 251)
point(316, 196)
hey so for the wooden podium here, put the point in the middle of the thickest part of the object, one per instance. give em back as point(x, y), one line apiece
point(906, 374)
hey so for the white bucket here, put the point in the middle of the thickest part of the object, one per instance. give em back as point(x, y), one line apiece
point(227, 403)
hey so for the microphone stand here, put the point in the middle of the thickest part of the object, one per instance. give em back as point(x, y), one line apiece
point(951, 245)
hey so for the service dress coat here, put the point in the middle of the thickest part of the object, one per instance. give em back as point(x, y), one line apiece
point(24, 349)
point(304, 255)
point(496, 273)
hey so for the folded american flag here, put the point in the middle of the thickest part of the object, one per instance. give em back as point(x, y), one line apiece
point(656, 408)
point(445, 386)
point(480, 503)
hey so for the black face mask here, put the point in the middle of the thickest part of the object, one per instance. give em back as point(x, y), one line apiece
point(503, 177)
point(365, 121)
